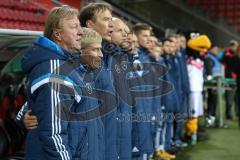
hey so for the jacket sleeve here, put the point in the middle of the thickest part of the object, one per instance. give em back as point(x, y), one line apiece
point(208, 66)
point(21, 113)
point(52, 130)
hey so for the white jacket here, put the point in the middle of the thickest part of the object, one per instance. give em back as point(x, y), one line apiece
point(195, 74)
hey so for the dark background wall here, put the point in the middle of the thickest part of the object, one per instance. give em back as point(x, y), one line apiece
point(176, 14)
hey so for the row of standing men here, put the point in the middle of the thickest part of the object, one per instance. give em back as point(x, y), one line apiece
point(142, 89)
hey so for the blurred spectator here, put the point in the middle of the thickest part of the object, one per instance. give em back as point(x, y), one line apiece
point(227, 60)
point(213, 68)
point(133, 43)
point(236, 66)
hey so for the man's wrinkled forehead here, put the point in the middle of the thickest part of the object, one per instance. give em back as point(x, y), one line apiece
point(70, 19)
point(101, 11)
point(118, 23)
point(145, 32)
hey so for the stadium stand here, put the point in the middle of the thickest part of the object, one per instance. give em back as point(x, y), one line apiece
point(227, 9)
point(28, 15)
point(15, 14)
point(21, 22)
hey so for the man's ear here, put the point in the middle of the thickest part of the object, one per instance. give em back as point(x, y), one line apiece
point(57, 34)
point(89, 24)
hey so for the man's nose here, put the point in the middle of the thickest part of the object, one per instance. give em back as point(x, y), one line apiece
point(100, 53)
point(80, 31)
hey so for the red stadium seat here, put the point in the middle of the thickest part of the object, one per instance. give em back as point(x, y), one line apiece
point(230, 20)
point(3, 24)
point(237, 20)
point(231, 14)
point(231, 2)
point(28, 15)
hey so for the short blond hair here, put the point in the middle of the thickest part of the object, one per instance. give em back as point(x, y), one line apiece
point(55, 17)
point(90, 36)
point(141, 27)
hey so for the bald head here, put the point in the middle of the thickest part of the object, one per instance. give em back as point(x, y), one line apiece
point(120, 31)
